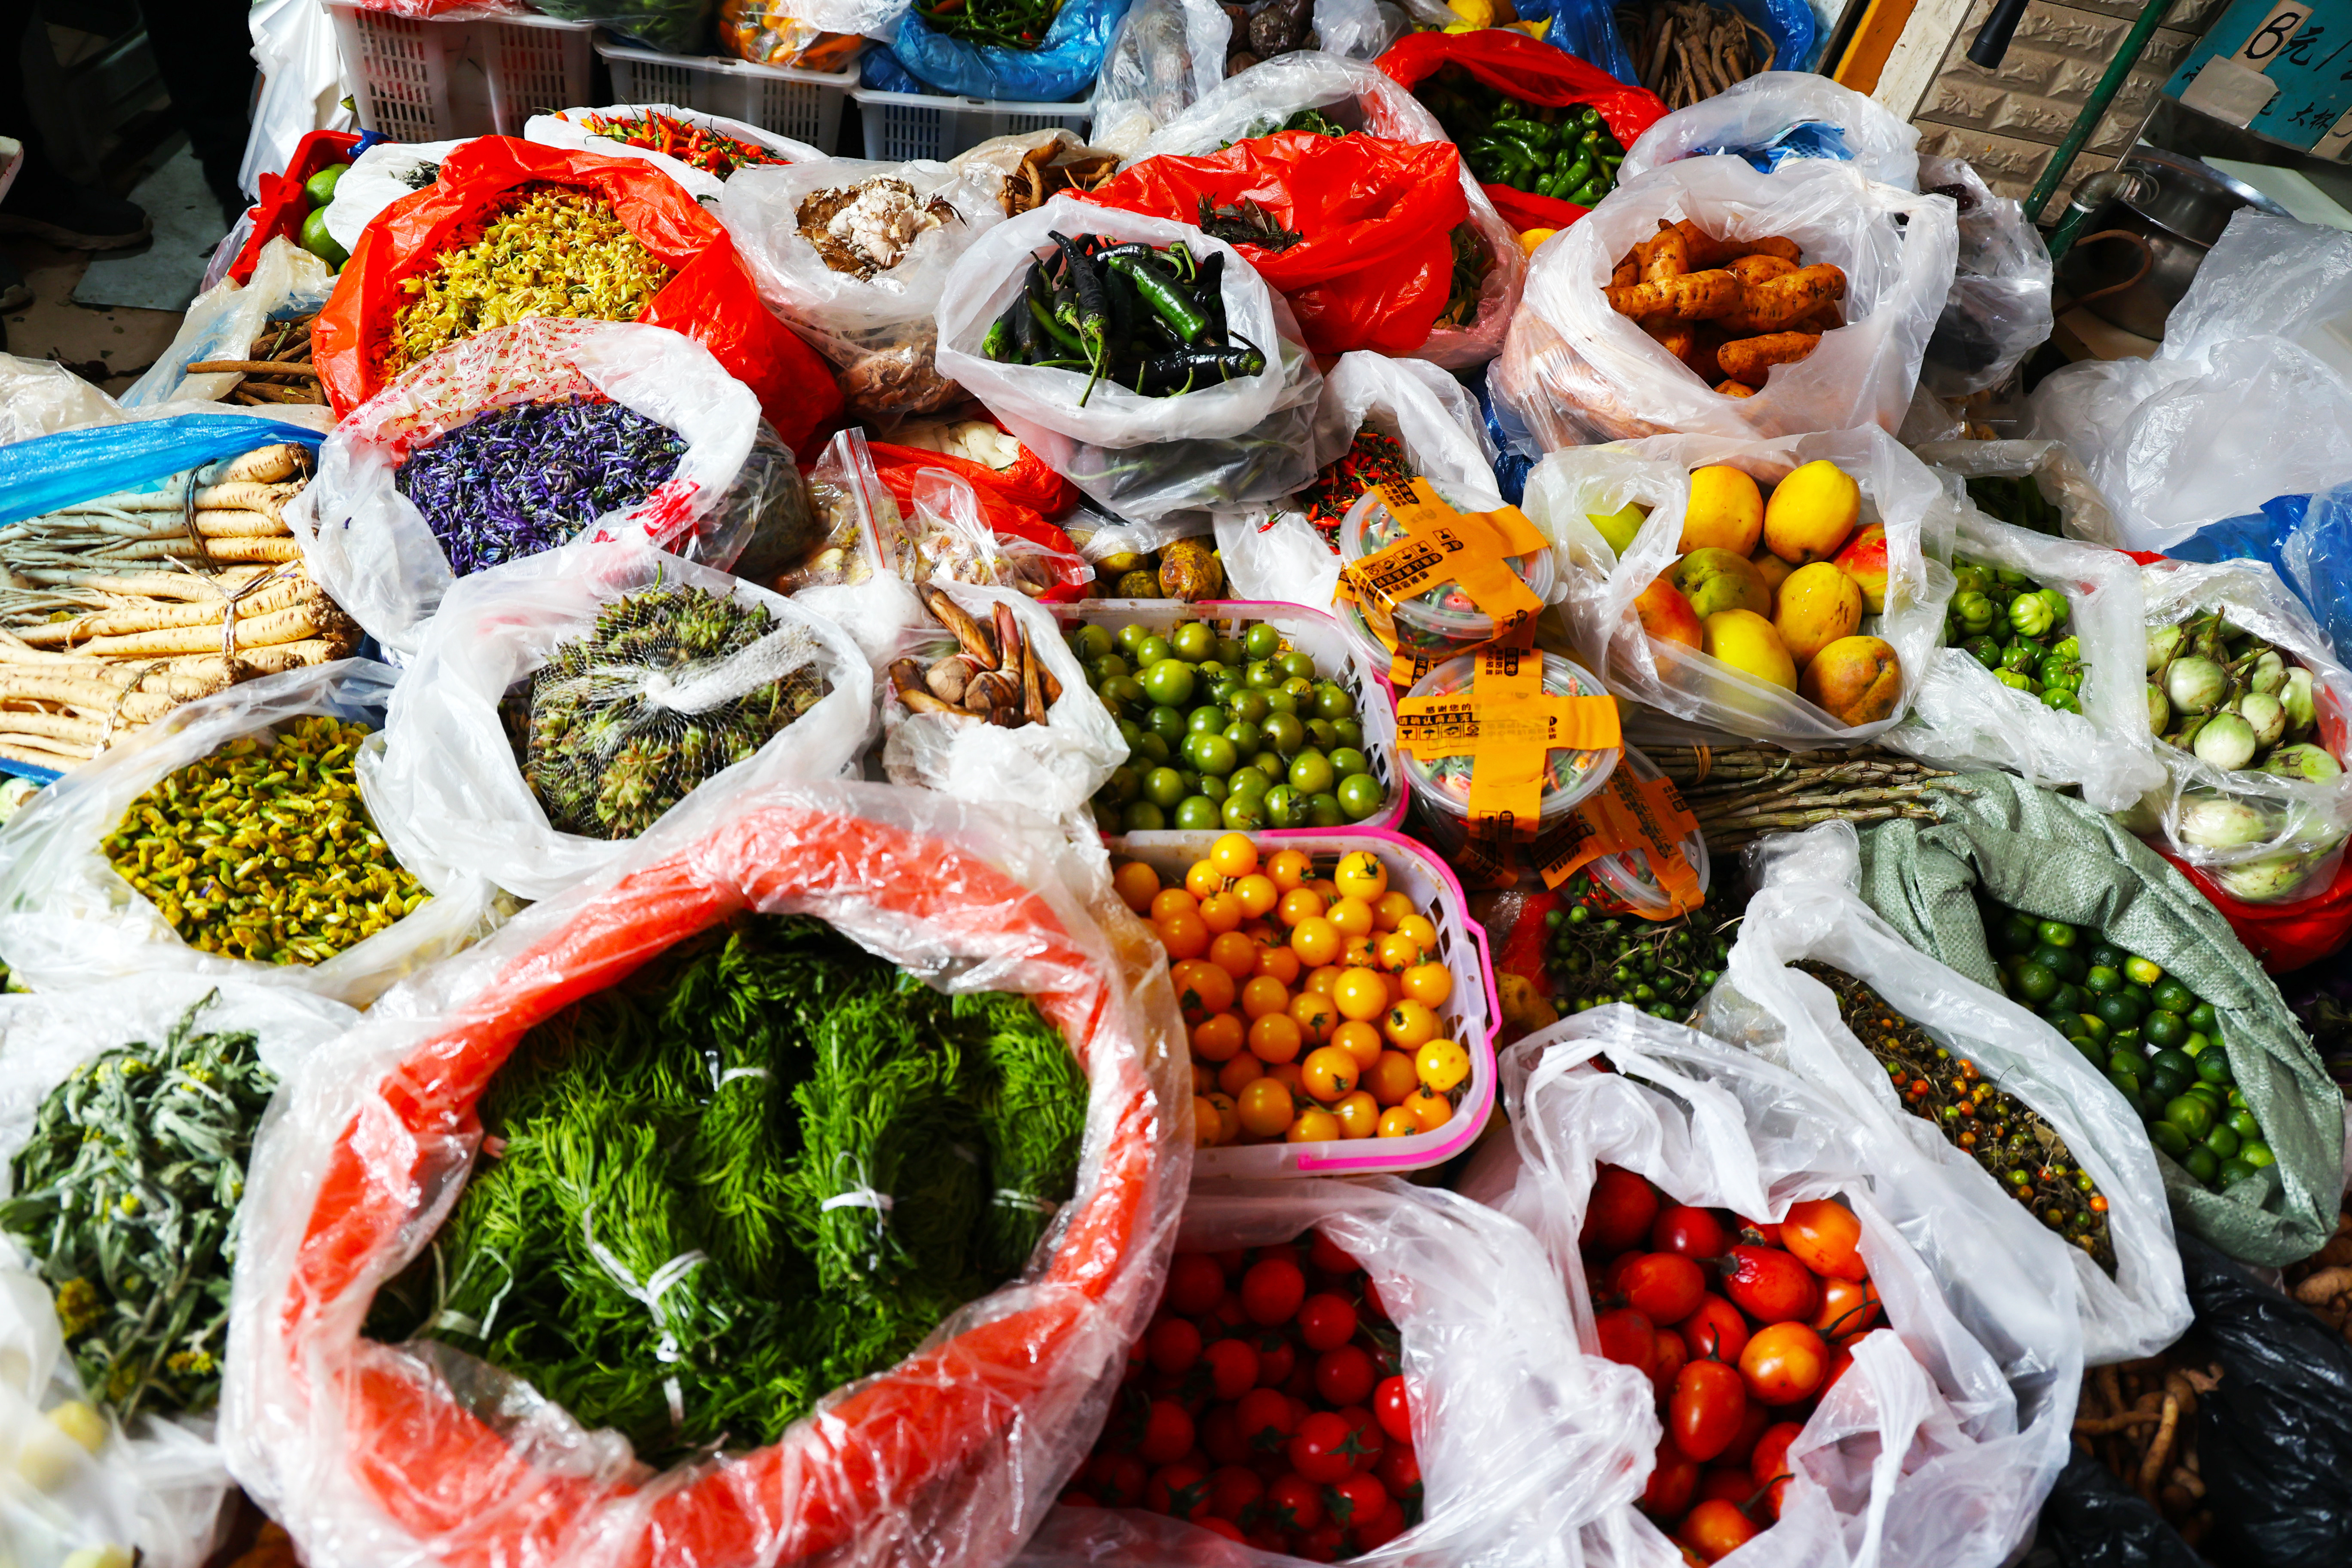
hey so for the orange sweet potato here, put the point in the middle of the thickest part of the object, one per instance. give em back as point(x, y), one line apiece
point(1771, 307)
point(1699, 297)
point(1749, 359)
point(1733, 389)
point(1674, 337)
point(1628, 272)
point(1666, 256)
point(1758, 269)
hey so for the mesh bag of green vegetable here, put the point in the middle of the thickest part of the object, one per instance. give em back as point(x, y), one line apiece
point(2052, 858)
point(830, 1149)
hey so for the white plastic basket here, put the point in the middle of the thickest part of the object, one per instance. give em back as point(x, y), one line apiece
point(803, 105)
point(421, 79)
point(1314, 634)
point(902, 126)
point(1471, 1010)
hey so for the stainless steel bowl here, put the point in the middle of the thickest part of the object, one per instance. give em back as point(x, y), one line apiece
point(2177, 207)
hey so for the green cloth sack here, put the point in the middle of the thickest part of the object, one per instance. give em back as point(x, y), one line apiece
point(2056, 858)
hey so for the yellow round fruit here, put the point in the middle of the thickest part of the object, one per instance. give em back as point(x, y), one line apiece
point(1746, 641)
point(1358, 1115)
point(1619, 527)
point(1726, 512)
point(1314, 1125)
point(1441, 1064)
point(1265, 1106)
point(1362, 994)
point(1811, 512)
point(1207, 1125)
point(1360, 875)
point(1529, 238)
point(1396, 1121)
point(1817, 604)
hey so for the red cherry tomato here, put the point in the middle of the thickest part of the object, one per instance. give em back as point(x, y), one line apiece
point(1715, 1331)
point(1323, 1543)
point(1725, 1483)
point(1716, 1530)
point(1357, 1499)
point(1195, 1284)
point(1118, 1480)
point(1224, 1527)
point(1841, 1360)
point(1628, 1338)
point(1771, 1286)
point(1172, 1344)
point(1671, 1354)
point(1674, 1478)
point(1076, 1499)
point(1392, 1408)
point(1704, 1412)
point(1272, 1291)
point(1664, 1287)
point(1752, 1426)
point(1326, 1321)
point(1294, 1502)
point(1687, 1232)
point(1848, 1310)
point(1758, 1232)
point(1233, 1368)
point(1383, 1528)
point(1770, 1506)
point(1619, 1212)
point(1370, 1440)
point(1266, 1421)
point(1227, 1318)
point(1784, 1363)
point(1825, 1237)
point(1326, 1254)
point(1346, 1375)
point(1276, 1356)
point(1167, 1434)
point(1612, 1279)
point(1233, 1491)
point(1400, 1471)
point(1180, 1491)
point(1323, 1449)
point(1770, 1460)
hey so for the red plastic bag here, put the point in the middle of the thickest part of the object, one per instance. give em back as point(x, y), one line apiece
point(283, 206)
point(1007, 518)
point(1524, 210)
point(1375, 265)
point(710, 298)
point(2283, 937)
point(1028, 483)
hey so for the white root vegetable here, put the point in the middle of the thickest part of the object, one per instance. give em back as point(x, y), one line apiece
point(226, 524)
point(265, 465)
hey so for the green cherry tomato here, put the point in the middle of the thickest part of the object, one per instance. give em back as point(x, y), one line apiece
point(1249, 704)
point(1206, 719)
point(1262, 641)
point(1091, 642)
point(1196, 811)
point(1333, 700)
point(1166, 722)
point(1285, 807)
point(1193, 640)
point(1110, 667)
point(1142, 817)
point(1284, 733)
point(1273, 767)
point(1215, 788)
point(1323, 735)
point(1347, 731)
point(1163, 787)
point(1123, 692)
point(1153, 749)
point(1123, 785)
point(1232, 651)
point(1249, 781)
point(1245, 736)
point(1131, 637)
point(1169, 681)
point(1263, 674)
point(1298, 666)
point(1361, 797)
point(1210, 752)
point(1323, 811)
point(1301, 691)
point(1151, 650)
point(1244, 812)
point(1311, 773)
point(1348, 760)
point(1281, 701)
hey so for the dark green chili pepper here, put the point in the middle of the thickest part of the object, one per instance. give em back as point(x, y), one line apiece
point(1054, 329)
point(1002, 341)
point(1161, 293)
point(1172, 373)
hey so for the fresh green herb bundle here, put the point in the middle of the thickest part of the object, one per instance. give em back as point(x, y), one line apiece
point(628, 719)
point(767, 1164)
point(126, 1203)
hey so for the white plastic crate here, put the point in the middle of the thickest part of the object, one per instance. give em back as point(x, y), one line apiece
point(421, 79)
point(1470, 1011)
point(900, 126)
point(803, 105)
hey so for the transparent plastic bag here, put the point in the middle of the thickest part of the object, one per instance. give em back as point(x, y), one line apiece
point(2291, 832)
point(367, 545)
point(223, 322)
point(68, 919)
point(1169, 54)
point(1522, 1437)
point(155, 1487)
point(946, 538)
point(1052, 768)
point(1961, 718)
point(879, 330)
point(849, 507)
point(1277, 554)
point(1807, 907)
point(1576, 371)
point(1240, 441)
point(2082, 512)
point(41, 397)
point(1750, 118)
point(1358, 98)
point(1999, 309)
point(1572, 485)
point(566, 128)
point(1941, 1441)
point(379, 176)
point(375, 1454)
point(449, 773)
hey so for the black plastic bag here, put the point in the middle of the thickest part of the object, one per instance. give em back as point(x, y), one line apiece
point(2093, 1520)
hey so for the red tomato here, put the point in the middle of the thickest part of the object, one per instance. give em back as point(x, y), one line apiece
point(1716, 1530)
point(1233, 1260)
point(1272, 1291)
point(1346, 1375)
point(1400, 1471)
point(1301, 1381)
point(1233, 1368)
point(1370, 1440)
point(1180, 1491)
point(1392, 1407)
point(1825, 1237)
point(1356, 1499)
point(1726, 1482)
point(1372, 1300)
point(1619, 1213)
point(1117, 1478)
point(1687, 1232)
point(1219, 1432)
point(1663, 1288)
point(1227, 1318)
point(1848, 1310)
point(1672, 1353)
point(1628, 1338)
point(1266, 1420)
point(1704, 1412)
point(1323, 1449)
point(1323, 1543)
point(1233, 1490)
point(1076, 1499)
point(1771, 1286)
point(1758, 1232)
point(1773, 1494)
point(1195, 1284)
point(1167, 1434)
point(1326, 1254)
point(1382, 1529)
point(1293, 1502)
point(1674, 1477)
point(1841, 1360)
point(1275, 1356)
point(1770, 1460)
point(1715, 1332)
point(1326, 1321)
point(1752, 1426)
point(1224, 1527)
point(1172, 1344)
point(1784, 1363)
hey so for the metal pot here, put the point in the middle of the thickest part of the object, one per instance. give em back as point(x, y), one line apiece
point(2156, 214)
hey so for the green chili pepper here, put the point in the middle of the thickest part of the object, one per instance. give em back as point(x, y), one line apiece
point(1166, 299)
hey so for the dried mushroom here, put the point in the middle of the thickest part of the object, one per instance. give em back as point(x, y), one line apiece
point(867, 229)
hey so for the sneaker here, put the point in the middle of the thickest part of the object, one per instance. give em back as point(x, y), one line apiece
point(15, 293)
point(76, 217)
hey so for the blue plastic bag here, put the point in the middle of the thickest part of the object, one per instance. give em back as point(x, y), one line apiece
point(1515, 446)
point(879, 71)
point(1063, 68)
point(2306, 538)
point(1811, 138)
point(50, 471)
point(1790, 24)
point(1587, 29)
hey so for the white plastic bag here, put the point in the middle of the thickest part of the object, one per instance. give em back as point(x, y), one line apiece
point(1358, 98)
point(1961, 718)
point(379, 177)
point(375, 1454)
point(68, 919)
point(1576, 371)
point(565, 128)
point(1758, 111)
point(41, 397)
point(1169, 54)
point(301, 85)
point(447, 774)
point(2082, 512)
point(1571, 486)
point(367, 545)
point(878, 330)
point(2294, 840)
point(157, 1486)
point(1522, 1438)
point(1240, 441)
point(1999, 309)
point(1277, 554)
point(1940, 1442)
point(223, 322)
point(1052, 768)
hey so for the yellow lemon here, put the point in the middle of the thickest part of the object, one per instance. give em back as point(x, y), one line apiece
point(1531, 237)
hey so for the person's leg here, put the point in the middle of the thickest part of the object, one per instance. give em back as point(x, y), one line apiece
point(44, 203)
point(205, 49)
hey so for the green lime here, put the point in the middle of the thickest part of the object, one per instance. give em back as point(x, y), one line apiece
point(2106, 955)
point(2142, 972)
point(1243, 813)
point(1142, 817)
point(2131, 1062)
point(2190, 1114)
point(2243, 1123)
point(2091, 1048)
point(1361, 797)
point(2202, 1163)
point(1163, 787)
point(2164, 1030)
point(2125, 1036)
point(2203, 1018)
point(2057, 1017)
point(2174, 997)
point(2056, 933)
point(2214, 1067)
point(1196, 811)
point(2166, 1082)
point(1323, 811)
point(2233, 1172)
point(320, 243)
point(2017, 934)
point(2060, 961)
point(2036, 984)
point(2195, 1045)
point(2101, 980)
point(2176, 1061)
point(1194, 640)
point(2222, 1140)
point(2118, 1008)
point(2093, 1025)
point(2168, 1137)
point(2066, 1000)
point(2256, 1154)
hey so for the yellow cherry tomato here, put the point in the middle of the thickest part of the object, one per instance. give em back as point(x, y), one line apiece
point(1390, 1079)
point(1262, 994)
point(1315, 1015)
point(1410, 1025)
point(1396, 953)
point(1234, 954)
point(1205, 1078)
point(1314, 1125)
point(1322, 978)
point(1276, 1037)
point(1238, 1074)
point(1137, 885)
point(1280, 963)
point(1358, 1116)
point(1233, 855)
point(1419, 929)
point(1206, 1123)
point(1352, 915)
point(1220, 912)
point(1264, 933)
point(1328, 1072)
point(1182, 934)
point(1359, 1040)
point(1441, 1064)
point(1388, 908)
point(1360, 875)
point(1173, 900)
point(1257, 893)
point(1431, 1110)
point(1361, 994)
point(1398, 1122)
point(1264, 1107)
point(1287, 1075)
point(1201, 879)
point(1428, 983)
point(1202, 988)
point(1324, 888)
point(1316, 942)
point(1288, 869)
point(1300, 904)
point(1356, 953)
point(1219, 1036)
point(1229, 1116)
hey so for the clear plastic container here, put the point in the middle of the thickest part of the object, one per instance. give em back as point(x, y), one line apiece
point(1443, 618)
point(1441, 788)
point(1628, 876)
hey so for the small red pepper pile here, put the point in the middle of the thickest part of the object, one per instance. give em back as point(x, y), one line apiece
point(1371, 460)
point(712, 151)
